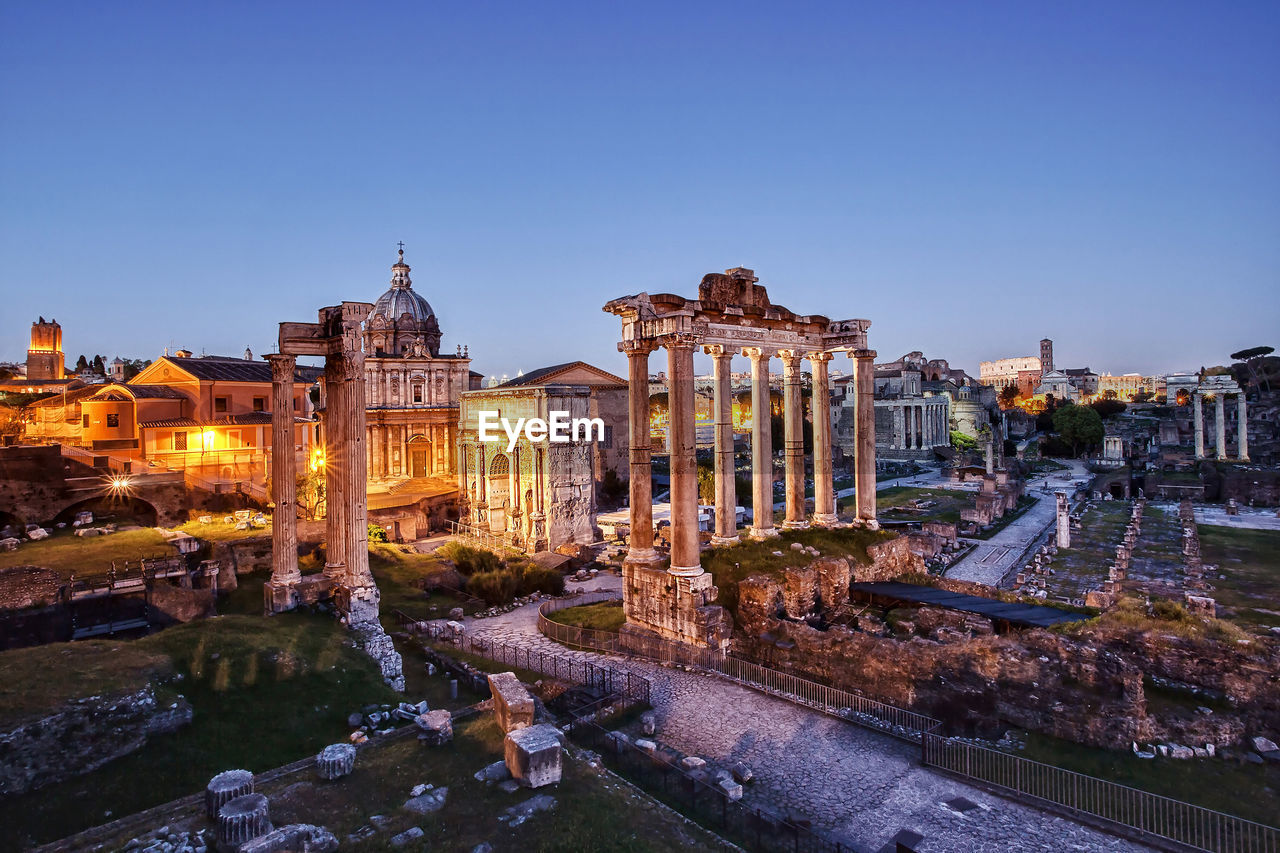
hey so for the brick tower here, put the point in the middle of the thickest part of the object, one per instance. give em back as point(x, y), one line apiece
point(1046, 356)
point(44, 356)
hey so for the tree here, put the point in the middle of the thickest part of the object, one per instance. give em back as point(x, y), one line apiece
point(1078, 426)
point(963, 442)
point(134, 366)
point(82, 364)
point(1251, 357)
point(1110, 394)
point(311, 494)
point(706, 484)
point(1108, 406)
point(1008, 396)
point(612, 489)
point(1143, 397)
point(99, 366)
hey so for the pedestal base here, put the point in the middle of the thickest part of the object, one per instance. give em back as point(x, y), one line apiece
point(795, 525)
point(826, 519)
point(660, 604)
point(279, 597)
point(726, 540)
point(648, 559)
point(764, 532)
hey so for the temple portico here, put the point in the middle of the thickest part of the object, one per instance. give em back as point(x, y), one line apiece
point(1214, 389)
point(732, 315)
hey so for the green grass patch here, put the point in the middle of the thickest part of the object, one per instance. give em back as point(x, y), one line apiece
point(264, 692)
point(893, 504)
point(86, 668)
point(605, 616)
point(1249, 563)
point(222, 531)
point(1250, 791)
point(87, 556)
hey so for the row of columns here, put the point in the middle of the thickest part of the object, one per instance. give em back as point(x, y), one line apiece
point(685, 560)
point(1220, 424)
point(385, 440)
point(919, 424)
point(529, 520)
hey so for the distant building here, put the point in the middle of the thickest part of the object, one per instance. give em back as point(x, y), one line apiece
point(46, 369)
point(538, 495)
point(1007, 371)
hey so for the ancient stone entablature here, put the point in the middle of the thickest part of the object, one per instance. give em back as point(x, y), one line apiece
point(733, 315)
point(1197, 389)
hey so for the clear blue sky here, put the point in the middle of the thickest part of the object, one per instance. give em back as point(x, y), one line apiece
point(969, 176)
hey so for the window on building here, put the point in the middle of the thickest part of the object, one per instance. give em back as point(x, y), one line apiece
point(417, 393)
point(84, 421)
point(179, 441)
point(113, 420)
point(607, 444)
point(259, 404)
point(219, 404)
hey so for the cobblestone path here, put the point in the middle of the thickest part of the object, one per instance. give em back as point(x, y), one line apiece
point(854, 785)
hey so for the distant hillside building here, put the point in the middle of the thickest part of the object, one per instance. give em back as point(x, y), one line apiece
point(1009, 371)
point(44, 356)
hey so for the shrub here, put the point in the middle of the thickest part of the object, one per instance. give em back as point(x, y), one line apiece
point(470, 560)
point(535, 578)
point(494, 587)
point(1170, 611)
point(377, 533)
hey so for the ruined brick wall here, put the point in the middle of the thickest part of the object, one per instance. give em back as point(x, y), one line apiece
point(81, 736)
point(888, 560)
point(673, 608)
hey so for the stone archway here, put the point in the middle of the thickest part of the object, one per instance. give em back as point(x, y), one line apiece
point(106, 506)
point(498, 487)
point(419, 456)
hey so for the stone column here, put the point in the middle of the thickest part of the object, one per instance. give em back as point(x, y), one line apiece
point(1197, 420)
point(726, 532)
point(761, 446)
point(865, 436)
point(1220, 425)
point(899, 440)
point(824, 501)
point(793, 440)
point(640, 549)
point(684, 463)
point(1242, 428)
point(281, 593)
point(335, 459)
point(354, 473)
point(1064, 520)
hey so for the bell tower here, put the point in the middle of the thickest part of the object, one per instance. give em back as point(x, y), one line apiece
point(1046, 356)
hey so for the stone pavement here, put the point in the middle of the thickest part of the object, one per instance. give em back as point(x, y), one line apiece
point(1250, 518)
point(854, 785)
point(992, 559)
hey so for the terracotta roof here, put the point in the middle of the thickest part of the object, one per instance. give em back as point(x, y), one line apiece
point(243, 419)
point(170, 422)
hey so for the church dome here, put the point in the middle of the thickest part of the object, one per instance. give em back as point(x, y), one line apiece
point(400, 299)
point(402, 322)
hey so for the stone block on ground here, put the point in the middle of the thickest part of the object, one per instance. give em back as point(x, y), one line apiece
point(692, 762)
point(294, 838)
point(495, 772)
point(533, 755)
point(512, 705)
point(436, 727)
point(242, 819)
point(1262, 744)
point(731, 789)
point(336, 760)
point(407, 837)
point(648, 723)
point(224, 787)
point(742, 772)
point(427, 802)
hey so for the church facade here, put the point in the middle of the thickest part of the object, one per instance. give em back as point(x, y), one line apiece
point(412, 389)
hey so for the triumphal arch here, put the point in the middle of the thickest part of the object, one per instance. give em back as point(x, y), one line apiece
point(732, 315)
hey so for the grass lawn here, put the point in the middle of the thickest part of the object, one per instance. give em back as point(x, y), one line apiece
point(264, 691)
point(84, 557)
point(1250, 791)
point(892, 504)
point(605, 616)
point(1250, 561)
point(399, 570)
point(220, 531)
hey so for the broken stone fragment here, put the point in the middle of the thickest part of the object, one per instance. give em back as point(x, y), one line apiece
point(409, 836)
point(436, 727)
point(336, 760)
point(427, 802)
point(692, 762)
point(742, 772)
point(224, 787)
point(242, 819)
point(294, 838)
point(648, 722)
point(512, 705)
point(731, 789)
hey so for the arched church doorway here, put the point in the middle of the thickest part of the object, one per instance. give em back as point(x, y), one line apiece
point(499, 489)
point(419, 456)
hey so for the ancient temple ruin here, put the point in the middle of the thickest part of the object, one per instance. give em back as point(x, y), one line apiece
point(346, 575)
point(1197, 390)
point(732, 315)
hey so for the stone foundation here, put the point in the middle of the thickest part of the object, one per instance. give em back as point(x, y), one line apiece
point(673, 608)
point(378, 645)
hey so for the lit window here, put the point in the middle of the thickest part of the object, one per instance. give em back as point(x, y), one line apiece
point(113, 420)
point(179, 441)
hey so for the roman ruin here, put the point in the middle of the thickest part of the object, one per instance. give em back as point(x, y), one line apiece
point(732, 314)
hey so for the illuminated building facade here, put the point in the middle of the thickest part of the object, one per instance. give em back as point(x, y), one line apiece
point(412, 390)
point(1008, 371)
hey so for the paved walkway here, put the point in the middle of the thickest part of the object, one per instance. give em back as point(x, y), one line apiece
point(1249, 518)
point(854, 785)
point(996, 557)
